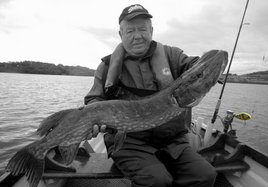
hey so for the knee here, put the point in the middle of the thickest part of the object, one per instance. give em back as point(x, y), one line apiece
point(156, 176)
point(207, 175)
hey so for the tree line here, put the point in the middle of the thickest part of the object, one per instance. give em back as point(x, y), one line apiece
point(32, 67)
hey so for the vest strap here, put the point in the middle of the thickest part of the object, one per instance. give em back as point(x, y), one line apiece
point(115, 66)
point(161, 68)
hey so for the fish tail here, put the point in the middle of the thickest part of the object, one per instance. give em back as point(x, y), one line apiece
point(25, 162)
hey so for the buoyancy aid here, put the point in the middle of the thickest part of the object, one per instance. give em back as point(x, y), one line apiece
point(161, 68)
point(159, 64)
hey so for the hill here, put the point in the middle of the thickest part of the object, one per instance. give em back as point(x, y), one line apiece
point(32, 67)
point(260, 77)
point(263, 75)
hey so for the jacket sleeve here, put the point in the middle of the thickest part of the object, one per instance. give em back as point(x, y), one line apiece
point(179, 61)
point(96, 92)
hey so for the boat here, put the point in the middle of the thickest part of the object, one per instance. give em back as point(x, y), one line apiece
point(237, 164)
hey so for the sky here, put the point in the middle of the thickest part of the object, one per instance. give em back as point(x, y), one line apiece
point(81, 32)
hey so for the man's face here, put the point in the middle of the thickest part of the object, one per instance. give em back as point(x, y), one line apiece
point(136, 36)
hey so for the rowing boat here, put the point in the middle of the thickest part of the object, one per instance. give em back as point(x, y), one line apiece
point(237, 163)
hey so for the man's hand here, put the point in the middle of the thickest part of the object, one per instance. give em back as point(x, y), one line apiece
point(96, 130)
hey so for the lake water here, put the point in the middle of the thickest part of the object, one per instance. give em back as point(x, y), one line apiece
point(26, 99)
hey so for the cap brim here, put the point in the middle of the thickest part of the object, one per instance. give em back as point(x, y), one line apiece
point(133, 15)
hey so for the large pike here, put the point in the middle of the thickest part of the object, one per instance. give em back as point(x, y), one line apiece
point(71, 127)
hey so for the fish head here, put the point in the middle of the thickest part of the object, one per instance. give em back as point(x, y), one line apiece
point(197, 81)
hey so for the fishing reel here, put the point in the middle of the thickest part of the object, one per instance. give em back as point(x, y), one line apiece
point(228, 119)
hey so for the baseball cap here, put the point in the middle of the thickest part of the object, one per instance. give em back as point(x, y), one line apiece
point(133, 11)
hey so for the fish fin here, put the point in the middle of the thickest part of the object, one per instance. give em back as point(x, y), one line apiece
point(69, 152)
point(52, 121)
point(23, 162)
point(119, 140)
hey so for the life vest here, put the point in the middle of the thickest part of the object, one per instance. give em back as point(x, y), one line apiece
point(159, 63)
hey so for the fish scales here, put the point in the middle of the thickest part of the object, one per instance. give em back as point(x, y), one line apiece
point(68, 128)
point(148, 113)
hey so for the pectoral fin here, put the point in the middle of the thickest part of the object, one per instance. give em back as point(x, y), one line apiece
point(69, 152)
point(119, 140)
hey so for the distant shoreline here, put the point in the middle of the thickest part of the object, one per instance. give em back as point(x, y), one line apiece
point(49, 74)
point(264, 83)
point(32, 67)
point(237, 82)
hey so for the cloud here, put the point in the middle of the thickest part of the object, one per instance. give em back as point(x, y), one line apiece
point(3, 3)
point(109, 37)
point(216, 26)
point(15, 15)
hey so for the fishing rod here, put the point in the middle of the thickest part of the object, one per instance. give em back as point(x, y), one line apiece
point(225, 79)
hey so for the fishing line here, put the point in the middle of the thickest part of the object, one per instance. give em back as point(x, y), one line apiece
point(229, 66)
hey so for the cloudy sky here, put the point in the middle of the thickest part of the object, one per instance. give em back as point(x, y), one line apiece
point(81, 32)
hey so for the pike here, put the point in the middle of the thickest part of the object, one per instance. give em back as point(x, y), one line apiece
point(68, 128)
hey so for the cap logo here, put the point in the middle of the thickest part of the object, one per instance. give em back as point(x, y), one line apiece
point(136, 7)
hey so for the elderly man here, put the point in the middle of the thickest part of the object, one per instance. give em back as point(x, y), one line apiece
point(139, 67)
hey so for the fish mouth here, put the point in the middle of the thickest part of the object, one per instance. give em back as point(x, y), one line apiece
point(198, 80)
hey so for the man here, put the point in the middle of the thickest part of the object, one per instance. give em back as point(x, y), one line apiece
point(137, 68)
